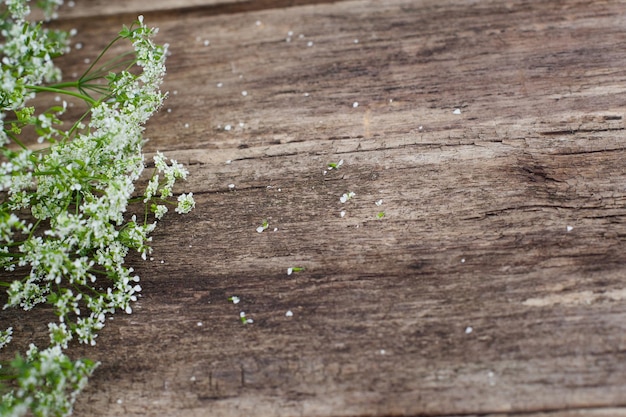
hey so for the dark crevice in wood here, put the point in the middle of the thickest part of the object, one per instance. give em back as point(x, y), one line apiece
point(204, 11)
point(575, 131)
point(546, 412)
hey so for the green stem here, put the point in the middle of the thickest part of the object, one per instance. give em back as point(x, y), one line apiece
point(15, 139)
point(11, 255)
point(39, 88)
point(93, 64)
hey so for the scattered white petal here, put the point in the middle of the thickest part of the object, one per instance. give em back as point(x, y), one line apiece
point(355, 104)
point(119, 401)
point(356, 41)
point(276, 229)
point(258, 23)
point(468, 330)
point(289, 271)
point(309, 43)
point(228, 162)
point(379, 202)
point(382, 351)
point(199, 324)
point(462, 260)
point(228, 127)
point(186, 125)
point(343, 213)
point(192, 379)
point(207, 42)
point(570, 228)
point(235, 299)
point(346, 197)
point(220, 85)
point(456, 111)
point(260, 229)
point(289, 313)
point(244, 93)
point(231, 186)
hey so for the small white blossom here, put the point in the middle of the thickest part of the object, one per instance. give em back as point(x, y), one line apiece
point(5, 337)
point(186, 203)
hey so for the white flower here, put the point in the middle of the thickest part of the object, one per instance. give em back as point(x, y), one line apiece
point(159, 211)
point(5, 337)
point(185, 203)
point(60, 335)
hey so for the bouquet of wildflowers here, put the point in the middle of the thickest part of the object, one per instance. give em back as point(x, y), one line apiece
point(64, 192)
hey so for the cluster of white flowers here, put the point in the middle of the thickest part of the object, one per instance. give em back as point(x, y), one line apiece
point(48, 383)
point(63, 210)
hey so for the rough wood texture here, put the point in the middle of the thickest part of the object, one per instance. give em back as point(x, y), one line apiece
point(507, 219)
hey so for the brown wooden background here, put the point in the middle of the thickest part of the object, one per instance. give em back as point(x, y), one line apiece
point(509, 218)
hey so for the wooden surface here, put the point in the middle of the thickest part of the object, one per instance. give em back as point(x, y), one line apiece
point(507, 219)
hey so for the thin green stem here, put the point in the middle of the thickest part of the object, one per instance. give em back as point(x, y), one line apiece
point(39, 88)
point(15, 139)
point(93, 64)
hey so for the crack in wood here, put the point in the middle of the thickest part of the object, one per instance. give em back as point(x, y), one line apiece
point(576, 131)
point(224, 8)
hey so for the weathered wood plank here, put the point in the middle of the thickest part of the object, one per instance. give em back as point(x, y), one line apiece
point(475, 235)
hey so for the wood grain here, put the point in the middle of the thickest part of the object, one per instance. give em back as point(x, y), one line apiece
point(494, 284)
